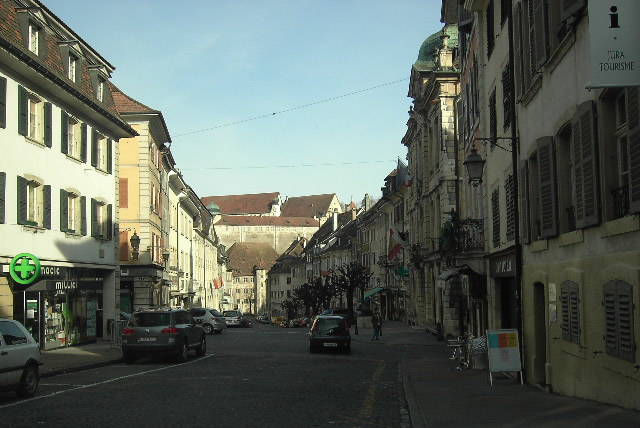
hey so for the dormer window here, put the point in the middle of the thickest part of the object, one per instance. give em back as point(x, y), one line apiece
point(71, 70)
point(33, 38)
point(100, 90)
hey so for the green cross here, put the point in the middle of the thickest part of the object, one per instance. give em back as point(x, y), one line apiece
point(24, 268)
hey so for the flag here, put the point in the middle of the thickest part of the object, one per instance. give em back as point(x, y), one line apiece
point(396, 243)
point(403, 175)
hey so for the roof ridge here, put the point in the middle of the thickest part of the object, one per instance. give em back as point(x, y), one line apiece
point(115, 89)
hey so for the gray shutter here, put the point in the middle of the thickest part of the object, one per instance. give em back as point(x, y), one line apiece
point(23, 111)
point(633, 114)
point(610, 319)
point(83, 215)
point(64, 211)
point(109, 161)
point(64, 132)
point(83, 143)
point(22, 200)
point(532, 41)
point(574, 310)
point(540, 32)
point(46, 196)
point(109, 221)
point(3, 102)
point(3, 185)
point(583, 133)
point(624, 315)
point(566, 316)
point(570, 7)
point(94, 217)
point(517, 50)
point(48, 125)
point(523, 184)
point(547, 187)
point(94, 148)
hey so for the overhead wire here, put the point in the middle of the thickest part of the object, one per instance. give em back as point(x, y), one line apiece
point(287, 166)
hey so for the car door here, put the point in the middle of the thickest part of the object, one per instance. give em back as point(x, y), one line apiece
point(195, 331)
point(14, 352)
point(3, 362)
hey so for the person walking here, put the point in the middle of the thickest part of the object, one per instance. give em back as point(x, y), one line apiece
point(377, 324)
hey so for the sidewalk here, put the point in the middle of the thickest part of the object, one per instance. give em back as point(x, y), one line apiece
point(77, 358)
point(438, 395)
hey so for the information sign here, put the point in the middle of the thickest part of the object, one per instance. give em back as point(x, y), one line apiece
point(504, 352)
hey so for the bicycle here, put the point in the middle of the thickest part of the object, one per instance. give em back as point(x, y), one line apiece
point(462, 351)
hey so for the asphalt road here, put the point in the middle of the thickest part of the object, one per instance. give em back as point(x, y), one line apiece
point(258, 377)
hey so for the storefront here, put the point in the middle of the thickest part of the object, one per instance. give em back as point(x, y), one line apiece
point(507, 298)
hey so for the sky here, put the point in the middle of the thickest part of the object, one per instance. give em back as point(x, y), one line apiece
point(299, 97)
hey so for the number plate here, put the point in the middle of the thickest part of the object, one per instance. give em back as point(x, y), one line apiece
point(331, 344)
point(147, 339)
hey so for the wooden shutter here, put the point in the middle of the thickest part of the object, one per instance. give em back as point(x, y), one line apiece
point(540, 32)
point(574, 312)
point(94, 149)
point(83, 215)
point(83, 143)
point(3, 102)
point(565, 323)
point(23, 111)
point(22, 200)
point(124, 193)
point(632, 96)
point(3, 185)
point(491, 38)
point(109, 161)
point(94, 218)
point(48, 125)
point(46, 196)
point(570, 7)
point(510, 208)
point(547, 187)
point(532, 40)
point(124, 245)
point(64, 211)
point(624, 314)
point(517, 50)
point(64, 132)
point(583, 134)
point(495, 213)
point(523, 184)
point(109, 222)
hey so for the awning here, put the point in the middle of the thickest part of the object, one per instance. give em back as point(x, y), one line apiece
point(450, 273)
point(370, 293)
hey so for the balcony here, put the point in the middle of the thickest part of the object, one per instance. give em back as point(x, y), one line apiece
point(620, 202)
point(462, 236)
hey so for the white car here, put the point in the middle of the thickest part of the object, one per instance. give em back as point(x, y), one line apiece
point(19, 359)
point(233, 318)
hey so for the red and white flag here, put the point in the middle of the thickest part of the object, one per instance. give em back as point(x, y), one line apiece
point(396, 243)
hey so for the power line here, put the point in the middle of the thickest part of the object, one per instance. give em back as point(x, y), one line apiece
point(291, 109)
point(288, 166)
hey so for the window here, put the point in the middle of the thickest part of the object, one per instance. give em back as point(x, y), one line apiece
point(101, 220)
point(566, 196)
point(508, 190)
point(100, 90)
point(72, 212)
point(71, 70)
point(34, 34)
point(618, 320)
point(103, 153)
point(570, 302)
point(12, 334)
point(34, 117)
point(74, 137)
point(490, 29)
point(34, 203)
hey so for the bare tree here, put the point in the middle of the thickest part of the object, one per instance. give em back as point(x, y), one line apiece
point(349, 278)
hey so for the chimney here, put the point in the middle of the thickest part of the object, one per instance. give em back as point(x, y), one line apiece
point(335, 221)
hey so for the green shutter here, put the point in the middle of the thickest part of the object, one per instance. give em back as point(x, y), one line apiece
point(3, 102)
point(83, 144)
point(23, 109)
point(109, 152)
point(94, 149)
point(46, 219)
point(22, 200)
point(64, 132)
point(48, 125)
point(109, 221)
point(83, 215)
point(94, 218)
point(3, 183)
point(64, 211)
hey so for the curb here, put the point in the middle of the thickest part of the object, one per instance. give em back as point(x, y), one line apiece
point(418, 419)
point(79, 368)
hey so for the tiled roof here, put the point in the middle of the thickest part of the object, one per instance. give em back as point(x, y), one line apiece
point(307, 206)
point(253, 220)
point(259, 203)
point(125, 104)
point(244, 256)
point(433, 42)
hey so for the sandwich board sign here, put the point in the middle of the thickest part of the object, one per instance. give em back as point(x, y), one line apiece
point(504, 352)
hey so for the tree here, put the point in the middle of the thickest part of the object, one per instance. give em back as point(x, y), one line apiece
point(292, 307)
point(349, 278)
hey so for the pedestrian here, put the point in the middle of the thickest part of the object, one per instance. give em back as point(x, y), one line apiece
point(377, 324)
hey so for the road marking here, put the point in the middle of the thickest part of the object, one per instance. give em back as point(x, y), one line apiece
point(39, 397)
point(370, 398)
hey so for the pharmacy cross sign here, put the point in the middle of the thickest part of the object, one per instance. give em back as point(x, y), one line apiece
point(25, 268)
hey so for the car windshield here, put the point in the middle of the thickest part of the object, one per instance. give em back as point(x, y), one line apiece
point(330, 326)
point(215, 313)
point(231, 314)
point(149, 319)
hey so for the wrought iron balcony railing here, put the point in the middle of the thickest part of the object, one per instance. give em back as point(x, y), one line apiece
point(620, 202)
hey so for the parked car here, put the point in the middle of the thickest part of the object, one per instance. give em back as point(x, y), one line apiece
point(211, 320)
point(246, 322)
point(233, 318)
point(330, 332)
point(343, 312)
point(155, 331)
point(264, 319)
point(276, 320)
point(19, 359)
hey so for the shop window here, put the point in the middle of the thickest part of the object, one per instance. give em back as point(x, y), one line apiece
point(570, 302)
point(618, 320)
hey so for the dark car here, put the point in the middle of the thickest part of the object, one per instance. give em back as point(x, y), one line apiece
point(156, 331)
point(330, 332)
point(343, 312)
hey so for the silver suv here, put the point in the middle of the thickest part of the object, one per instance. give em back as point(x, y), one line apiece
point(211, 320)
point(19, 359)
point(153, 331)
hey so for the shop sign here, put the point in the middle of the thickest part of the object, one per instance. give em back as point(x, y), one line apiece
point(503, 266)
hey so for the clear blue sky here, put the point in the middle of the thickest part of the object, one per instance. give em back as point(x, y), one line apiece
point(207, 64)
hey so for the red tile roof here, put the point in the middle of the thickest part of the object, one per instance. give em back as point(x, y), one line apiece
point(244, 256)
point(258, 203)
point(126, 104)
point(307, 206)
point(253, 220)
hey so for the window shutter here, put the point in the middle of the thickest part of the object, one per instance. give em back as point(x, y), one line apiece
point(3, 185)
point(64, 132)
point(523, 183)
point(547, 186)
point(23, 111)
point(610, 322)
point(491, 38)
point(633, 113)
point(508, 193)
point(583, 133)
point(540, 32)
point(493, 119)
point(94, 149)
point(124, 245)
point(3, 102)
point(109, 161)
point(64, 211)
point(83, 143)
point(94, 218)
point(517, 50)
point(22, 200)
point(532, 41)
point(124, 193)
point(109, 221)
point(574, 310)
point(46, 196)
point(495, 213)
point(83, 215)
point(507, 87)
point(48, 125)
point(570, 7)
point(624, 314)
point(566, 317)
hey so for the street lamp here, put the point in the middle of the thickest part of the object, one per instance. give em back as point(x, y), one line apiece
point(474, 164)
point(165, 257)
point(135, 245)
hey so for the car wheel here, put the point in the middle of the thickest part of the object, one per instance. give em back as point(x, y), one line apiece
point(347, 350)
point(202, 349)
point(29, 381)
point(208, 328)
point(129, 357)
point(183, 353)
